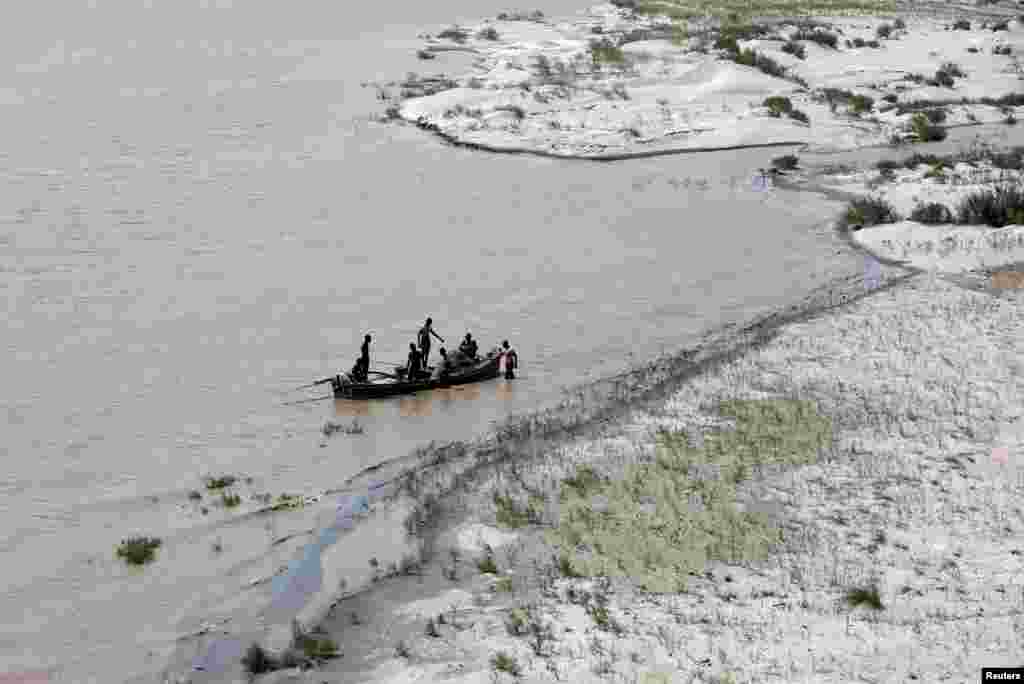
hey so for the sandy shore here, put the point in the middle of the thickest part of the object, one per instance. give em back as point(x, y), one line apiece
point(918, 494)
point(540, 87)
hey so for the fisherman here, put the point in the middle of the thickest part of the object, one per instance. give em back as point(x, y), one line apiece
point(469, 347)
point(424, 339)
point(510, 359)
point(443, 367)
point(414, 368)
point(363, 364)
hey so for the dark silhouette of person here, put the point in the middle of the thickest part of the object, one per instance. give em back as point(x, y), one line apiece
point(511, 360)
point(414, 368)
point(444, 366)
point(424, 339)
point(361, 371)
point(469, 347)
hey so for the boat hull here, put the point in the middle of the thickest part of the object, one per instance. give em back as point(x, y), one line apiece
point(487, 369)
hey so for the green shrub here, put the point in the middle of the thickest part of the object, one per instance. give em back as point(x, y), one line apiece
point(932, 213)
point(961, 25)
point(996, 208)
point(798, 115)
point(891, 98)
point(139, 550)
point(884, 30)
point(583, 484)
point(936, 116)
point(764, 63)
point(823, 38)
point(640, 533)
point(488, 33)
point(727, 42)
point(454, 33)
point(953, 69)
point(1001, 26)
point(864, 597)
point(606, 52)
point(794, 48)
point(487, 566)
point(861, 103)
point(1002, 50)
point(778, 105)
point(257, 661)
point(230, 500)
point(221, 482)
point(887, 165)
point(869, 211)
point(503, 662)
point(900, 24)
point(925, 130)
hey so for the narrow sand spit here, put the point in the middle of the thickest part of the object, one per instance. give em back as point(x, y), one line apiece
point(920, 496)
point(539, 87)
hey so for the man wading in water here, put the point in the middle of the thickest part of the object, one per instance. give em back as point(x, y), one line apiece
point(510, 360)
point(424, 339)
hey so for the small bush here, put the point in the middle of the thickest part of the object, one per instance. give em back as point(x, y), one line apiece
point(996, 208)
point(606, 52)
point(822, 38)
point(973, 49)
point(861, 103)
point(487, 566)
point(873, 44)
point(257, 661)
point(891, 98)
point(1001, 26)
point(194, 495)
point(1010, 119)
point(887, 165)
point(454, 33)
point(798, 115)
point(961, 25)
point(953, 69)
point(936, 116)
point(786, 162)
point(795, 49)
point(869, 211)
point(778, 105)
point(431, 629)
point(924, 130)
point(864, 597)
point(488, 33)
point(727, 42)
point(503, 585)
point(317, 648)
point(932, 213)
point(915, 78)
point(764, 63)
point(221, 482)
point(884, 31)
point(230, 500)
point(402, 649)
point(900, 24)
point(1005, 50)
point(139, 550)
point(503, 662)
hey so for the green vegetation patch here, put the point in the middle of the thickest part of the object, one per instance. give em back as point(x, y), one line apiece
point(221, 482)
point(138, 550)
point(606, 52)
point(739, 11)
point(651, 531)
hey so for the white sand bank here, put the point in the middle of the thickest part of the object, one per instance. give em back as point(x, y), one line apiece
point(667, 97)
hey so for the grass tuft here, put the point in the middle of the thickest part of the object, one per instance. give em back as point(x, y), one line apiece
point(138, 550)
point(220, 482)
point(866, 596)
point(868, 211)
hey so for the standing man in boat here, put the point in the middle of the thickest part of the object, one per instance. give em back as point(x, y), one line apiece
point(424, 339)
point(362, 369)
point(510, 359)
point(414, 368)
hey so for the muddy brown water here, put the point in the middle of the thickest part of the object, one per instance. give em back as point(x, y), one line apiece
point(198, 213)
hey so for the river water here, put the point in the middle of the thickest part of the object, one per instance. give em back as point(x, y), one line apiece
point(198, 213)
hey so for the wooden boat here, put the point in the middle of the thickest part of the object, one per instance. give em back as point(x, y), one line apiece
point(485, 369)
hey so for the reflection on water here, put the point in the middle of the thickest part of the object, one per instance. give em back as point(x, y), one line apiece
point(351, 407)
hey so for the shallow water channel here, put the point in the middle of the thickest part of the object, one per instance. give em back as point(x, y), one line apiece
point(198, 213)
